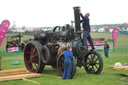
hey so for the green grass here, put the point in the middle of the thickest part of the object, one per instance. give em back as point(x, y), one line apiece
point(81, 77)
point(11, 54)
point(117, 52)
point(107, 77)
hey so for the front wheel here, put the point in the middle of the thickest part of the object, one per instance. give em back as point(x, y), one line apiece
point(93, 62)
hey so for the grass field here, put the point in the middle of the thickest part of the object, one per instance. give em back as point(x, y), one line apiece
point(107, 77)
point(81, 78)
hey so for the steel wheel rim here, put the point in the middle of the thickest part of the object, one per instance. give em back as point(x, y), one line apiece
point(61, 64)
point(92, 63)
point(31, 58)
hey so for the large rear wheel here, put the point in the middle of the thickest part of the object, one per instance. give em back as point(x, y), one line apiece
point(32, 57)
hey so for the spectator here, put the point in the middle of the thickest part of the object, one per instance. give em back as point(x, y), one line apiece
point(106, 49)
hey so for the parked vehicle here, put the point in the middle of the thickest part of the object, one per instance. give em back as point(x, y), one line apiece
point(43, 50)
point(14, 43)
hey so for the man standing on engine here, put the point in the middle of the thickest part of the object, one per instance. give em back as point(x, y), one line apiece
point(87, 29)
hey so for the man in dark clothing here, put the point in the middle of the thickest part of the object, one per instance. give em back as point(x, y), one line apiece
point(106, 49)
point(87, 30)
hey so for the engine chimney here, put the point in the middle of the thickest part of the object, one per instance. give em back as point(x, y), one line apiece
point(77, 19)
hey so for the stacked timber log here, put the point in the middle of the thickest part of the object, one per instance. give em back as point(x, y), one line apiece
point(15, 74)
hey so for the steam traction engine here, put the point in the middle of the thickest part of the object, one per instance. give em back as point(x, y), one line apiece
point(44, 48)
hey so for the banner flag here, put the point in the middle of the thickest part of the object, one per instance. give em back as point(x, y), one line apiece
point(3, 29)
point(114, 35)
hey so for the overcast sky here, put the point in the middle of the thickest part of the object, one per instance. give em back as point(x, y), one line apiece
point(59, 12)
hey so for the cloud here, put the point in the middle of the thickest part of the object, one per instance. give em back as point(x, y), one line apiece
point(60, 12)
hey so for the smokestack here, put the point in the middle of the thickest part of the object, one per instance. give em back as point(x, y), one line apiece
point(77, 19)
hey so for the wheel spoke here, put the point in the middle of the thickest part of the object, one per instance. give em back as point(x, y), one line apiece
point(97, 63)
point(32, 56)
point(33, 69)
point(96, 59)
point(31, 51)
point(96, 66)
point(27, 52)
point(92, 56)
point(89, 59)
point(88, 65)
point(35, 54)
point(34, 49)
point(93, 69)
point(35, 60)
point(93, 63)
point(29, 62)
